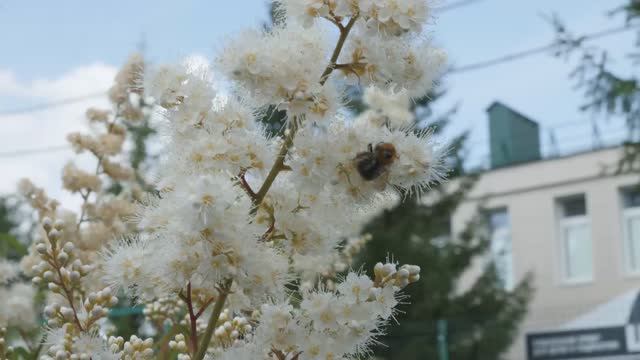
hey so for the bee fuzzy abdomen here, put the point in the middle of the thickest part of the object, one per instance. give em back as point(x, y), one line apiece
point(368, 166)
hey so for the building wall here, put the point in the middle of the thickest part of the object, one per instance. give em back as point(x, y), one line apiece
point(529, 193)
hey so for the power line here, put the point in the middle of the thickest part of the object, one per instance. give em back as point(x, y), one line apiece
point(53, 104)
point(72, 100)
point(34, 151)
point(457, 4)
point(533, 51)
point(456, 70)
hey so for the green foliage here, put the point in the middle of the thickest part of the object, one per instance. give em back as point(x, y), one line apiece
point(273, 120)
point(139, 134)
point(483, 320)
point(607, 92)
point(10, 246)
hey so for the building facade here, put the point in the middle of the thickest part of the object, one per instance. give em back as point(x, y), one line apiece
point(573, 222)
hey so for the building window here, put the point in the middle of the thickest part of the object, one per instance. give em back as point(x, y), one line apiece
point(575, 237)
point(631, 229)
point(500, 231)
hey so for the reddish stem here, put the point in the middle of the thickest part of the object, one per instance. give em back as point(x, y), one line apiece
point(204, 307)
point(192, 319)
point(266, 234)
point(245, 185)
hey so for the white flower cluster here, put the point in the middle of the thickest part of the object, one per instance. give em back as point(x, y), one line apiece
point(64, 258)
point(17, 306)
point(255, 60)
point(9, 271)
point(386, 16)
point(332, 325)
point(238, 212)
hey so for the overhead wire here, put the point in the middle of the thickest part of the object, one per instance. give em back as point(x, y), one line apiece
point(534, 51)
point(455, 70)
point(456, 4)
point(33, 151)
point(50, 105)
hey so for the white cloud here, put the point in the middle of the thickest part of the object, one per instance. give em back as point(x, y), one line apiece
point(9, 84)
point(47, 127)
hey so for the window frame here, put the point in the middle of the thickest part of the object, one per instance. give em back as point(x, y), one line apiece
point(563, 222)
point(629, 213)
point(508, 281)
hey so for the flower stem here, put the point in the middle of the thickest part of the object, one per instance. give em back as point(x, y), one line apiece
point(68, 292)
point(293, 127)
point(278, 165)
point(192, 319)
point(213, 320)
point(344, 32)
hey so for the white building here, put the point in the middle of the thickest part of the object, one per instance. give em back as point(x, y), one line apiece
point(573, 222)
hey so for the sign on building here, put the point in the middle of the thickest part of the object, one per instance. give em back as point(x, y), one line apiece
point(617, 342)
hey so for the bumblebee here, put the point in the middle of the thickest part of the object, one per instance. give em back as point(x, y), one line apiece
point(375, 162)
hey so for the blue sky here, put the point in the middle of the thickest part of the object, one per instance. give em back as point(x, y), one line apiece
point(67, 48)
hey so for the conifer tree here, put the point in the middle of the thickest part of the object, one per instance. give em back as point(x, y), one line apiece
point(482, 320)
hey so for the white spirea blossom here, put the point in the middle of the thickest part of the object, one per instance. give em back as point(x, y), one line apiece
point(391, 17)
point(412, 65)
point(281, 67)
point(17, 306)
point(9, 270)
point(418, 163)
point(240, 216)
point(387, 108)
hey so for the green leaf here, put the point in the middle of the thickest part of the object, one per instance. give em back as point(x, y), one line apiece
point(9, 245)
point(20, 354)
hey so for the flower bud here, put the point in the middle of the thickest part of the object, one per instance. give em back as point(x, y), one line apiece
point(96, 311)
point(59, 224)
point(47, 224)
point(54, 235)
point(68, 247)
point(403, 274)
point(48, 275)
point(219, 332)
point(92, 297)
point(377, 269)
point(41, 248)
point(49, 311)
point(65, 273)
point(66, 312)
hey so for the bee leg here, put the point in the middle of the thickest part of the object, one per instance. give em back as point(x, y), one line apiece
point(370, 147)
point(382, 181)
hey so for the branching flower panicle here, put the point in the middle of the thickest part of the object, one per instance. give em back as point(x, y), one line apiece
point(240, 252)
